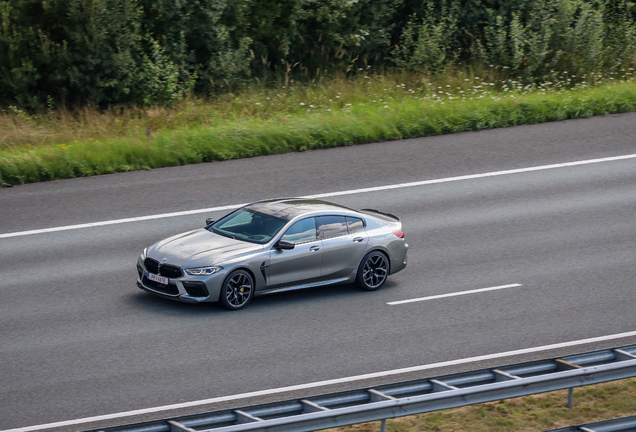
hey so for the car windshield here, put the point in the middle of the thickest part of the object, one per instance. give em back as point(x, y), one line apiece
point(248, 225)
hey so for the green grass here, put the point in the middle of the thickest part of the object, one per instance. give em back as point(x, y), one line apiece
point(297, 118)
point(531, 413)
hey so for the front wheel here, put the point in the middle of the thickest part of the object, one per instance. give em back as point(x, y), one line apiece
point(373, 271)
point(237, 291)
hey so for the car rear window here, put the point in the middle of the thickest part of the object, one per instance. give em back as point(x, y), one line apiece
point(354, 224)
point(332, 226)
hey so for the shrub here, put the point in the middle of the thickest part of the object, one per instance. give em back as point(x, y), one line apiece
point(114, 52)
point(560, 35)
point(425, 43)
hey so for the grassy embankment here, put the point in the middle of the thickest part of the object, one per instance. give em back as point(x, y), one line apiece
point(300, 117)
point(531, 413)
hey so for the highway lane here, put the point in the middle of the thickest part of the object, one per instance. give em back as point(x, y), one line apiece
point(165, 190)
point(78, 339)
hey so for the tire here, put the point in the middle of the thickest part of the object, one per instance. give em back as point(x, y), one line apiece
point(237, 291)
point(373, 271)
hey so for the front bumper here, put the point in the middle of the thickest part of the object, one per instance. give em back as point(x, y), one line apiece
point(188, 289)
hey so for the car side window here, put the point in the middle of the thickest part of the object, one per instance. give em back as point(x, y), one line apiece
point(354, 224)
point(302, 231)
point(332, 226)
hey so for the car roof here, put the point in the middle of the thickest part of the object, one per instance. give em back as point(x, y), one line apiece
point(289, 208)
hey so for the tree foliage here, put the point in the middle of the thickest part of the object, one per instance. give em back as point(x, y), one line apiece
point(109, 52)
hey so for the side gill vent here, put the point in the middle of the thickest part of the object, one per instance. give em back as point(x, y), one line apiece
point(263, 267)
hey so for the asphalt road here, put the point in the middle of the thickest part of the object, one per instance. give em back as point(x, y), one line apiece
point(78, 339)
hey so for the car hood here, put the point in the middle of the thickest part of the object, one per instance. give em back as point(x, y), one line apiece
point(199, 248)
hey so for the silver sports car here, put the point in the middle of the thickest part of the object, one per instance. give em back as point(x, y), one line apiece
point(272, 246)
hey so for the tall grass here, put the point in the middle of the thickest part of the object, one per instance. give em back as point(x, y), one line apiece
point(299, 117)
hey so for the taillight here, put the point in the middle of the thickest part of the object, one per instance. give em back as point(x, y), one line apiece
point(400, 234)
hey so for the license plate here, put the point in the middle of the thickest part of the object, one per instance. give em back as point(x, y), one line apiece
point(159, 279)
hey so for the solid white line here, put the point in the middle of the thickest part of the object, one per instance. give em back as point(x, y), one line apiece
point(399, 302)
point(120, 221)
point(326, 195)
point(324, 383)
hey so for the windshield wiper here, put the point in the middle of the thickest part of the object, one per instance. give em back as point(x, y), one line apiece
point(223, 233)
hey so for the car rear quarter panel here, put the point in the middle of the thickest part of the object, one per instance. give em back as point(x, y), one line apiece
point(381, 238)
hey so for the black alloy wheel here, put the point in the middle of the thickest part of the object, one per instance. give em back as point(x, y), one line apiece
point(237, 291)
point(373, 271)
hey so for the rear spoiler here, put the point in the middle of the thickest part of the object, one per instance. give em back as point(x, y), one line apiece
point(382, 213)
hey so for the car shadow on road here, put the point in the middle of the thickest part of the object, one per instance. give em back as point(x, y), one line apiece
point(338, 293)
point(153, 303)
point(292, 299)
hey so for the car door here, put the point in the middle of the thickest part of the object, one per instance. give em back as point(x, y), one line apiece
point(344, 242)
point(301, 264)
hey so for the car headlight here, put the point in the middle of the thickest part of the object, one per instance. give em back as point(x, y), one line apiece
point(143, 254)
point(203, 271)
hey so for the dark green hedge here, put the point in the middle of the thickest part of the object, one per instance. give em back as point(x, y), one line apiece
point(109, 52)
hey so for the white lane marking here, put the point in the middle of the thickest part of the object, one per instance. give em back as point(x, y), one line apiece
point(324, 383)
point(399, 302)
point(120, 221)
point(325, 195)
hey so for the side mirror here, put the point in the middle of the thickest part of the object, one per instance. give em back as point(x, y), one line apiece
point(284, 245)
point(209, 221)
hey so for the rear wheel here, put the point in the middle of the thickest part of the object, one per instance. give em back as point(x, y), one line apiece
point(237, 291)
point(373, 271)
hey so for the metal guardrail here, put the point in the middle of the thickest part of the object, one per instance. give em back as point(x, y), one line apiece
point(623, 424)
point(413, 397)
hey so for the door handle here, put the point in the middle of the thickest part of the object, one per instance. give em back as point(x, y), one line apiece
point(358, 239)
point(314, 248)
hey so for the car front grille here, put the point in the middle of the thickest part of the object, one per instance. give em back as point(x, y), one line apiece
point(171, 271)
point(167, 270)
point(152, 265)
point(196, 289)
point(166, 289)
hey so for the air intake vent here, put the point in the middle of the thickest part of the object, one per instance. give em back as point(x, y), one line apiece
point(196, 289)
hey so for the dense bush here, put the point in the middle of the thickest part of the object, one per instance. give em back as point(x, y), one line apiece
point(557, 35)
point(425, 42)
point(109, 52)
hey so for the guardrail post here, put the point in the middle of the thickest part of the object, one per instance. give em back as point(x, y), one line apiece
point(383, 426)
point(570, 396)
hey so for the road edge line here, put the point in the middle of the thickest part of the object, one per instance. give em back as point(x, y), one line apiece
point(321, 383)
